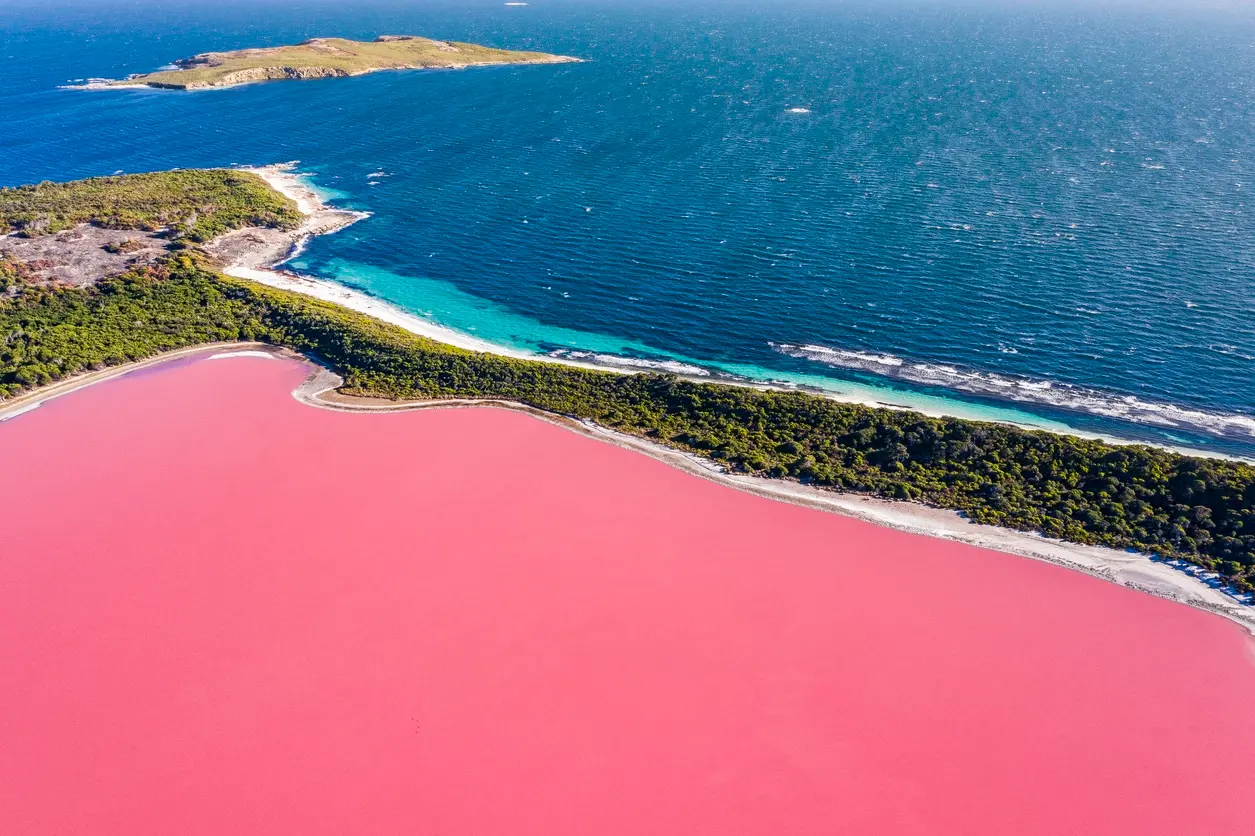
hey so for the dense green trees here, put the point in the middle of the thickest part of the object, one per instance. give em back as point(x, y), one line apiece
point(196, 204)
point(1137, 497)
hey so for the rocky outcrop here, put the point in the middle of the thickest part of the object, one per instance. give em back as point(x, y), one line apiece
point(268, 74)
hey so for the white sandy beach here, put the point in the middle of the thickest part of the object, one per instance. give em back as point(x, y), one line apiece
point(245, 256)
point(262, 265)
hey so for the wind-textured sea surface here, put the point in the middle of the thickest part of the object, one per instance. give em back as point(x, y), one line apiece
point(1036, 213)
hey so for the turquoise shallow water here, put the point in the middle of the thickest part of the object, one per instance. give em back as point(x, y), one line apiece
point(1036, 214)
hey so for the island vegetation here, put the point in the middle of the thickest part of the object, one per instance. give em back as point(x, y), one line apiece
point(193, 205)
point(1152, 500)
point(329, 58)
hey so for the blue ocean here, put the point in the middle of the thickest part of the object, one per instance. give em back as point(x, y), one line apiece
point(1031, 212)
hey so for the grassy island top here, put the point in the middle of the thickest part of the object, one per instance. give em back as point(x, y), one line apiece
point(330, 58)
point(1198, 510)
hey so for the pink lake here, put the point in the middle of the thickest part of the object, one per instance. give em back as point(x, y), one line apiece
point(222, 611)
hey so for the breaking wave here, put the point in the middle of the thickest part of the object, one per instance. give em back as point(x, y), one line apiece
point(1049, 393)
point(634, 363)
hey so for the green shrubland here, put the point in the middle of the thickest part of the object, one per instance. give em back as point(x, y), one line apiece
point(193, 205)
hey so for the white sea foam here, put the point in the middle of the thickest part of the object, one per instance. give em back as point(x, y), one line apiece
point(1028, 390)
point(848, 359)
point(1231, 351)
point(620, 362)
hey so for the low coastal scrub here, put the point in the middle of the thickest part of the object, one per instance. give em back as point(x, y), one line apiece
point(10, 274)
point(1199, 510)
point(193, 205)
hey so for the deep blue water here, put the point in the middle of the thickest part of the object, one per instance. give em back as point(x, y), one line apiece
point(1037, 213)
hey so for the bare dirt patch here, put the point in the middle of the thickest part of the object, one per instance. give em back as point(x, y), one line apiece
point(82, 255)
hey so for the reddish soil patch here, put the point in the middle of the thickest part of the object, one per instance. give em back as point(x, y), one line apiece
point(225, 612)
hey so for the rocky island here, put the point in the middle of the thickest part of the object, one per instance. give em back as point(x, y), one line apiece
point(327, 58)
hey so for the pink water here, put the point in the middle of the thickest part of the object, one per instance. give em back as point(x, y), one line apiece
point(225, 612)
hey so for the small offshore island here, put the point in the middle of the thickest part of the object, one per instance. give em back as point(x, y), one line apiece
point(326, 58)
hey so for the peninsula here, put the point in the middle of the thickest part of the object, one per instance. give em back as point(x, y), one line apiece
point(327, 58)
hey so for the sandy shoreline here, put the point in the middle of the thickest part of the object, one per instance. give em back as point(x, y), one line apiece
point(1132, 570)
point(258, 255)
